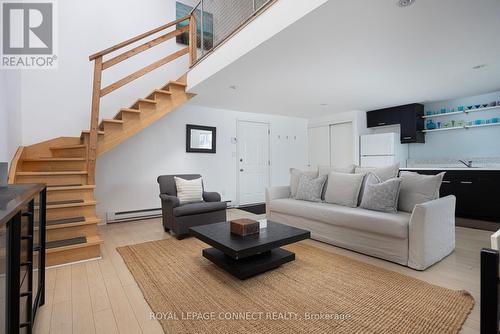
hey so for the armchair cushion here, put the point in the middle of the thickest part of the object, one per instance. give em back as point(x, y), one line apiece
point(197, 208)
point(211, 196)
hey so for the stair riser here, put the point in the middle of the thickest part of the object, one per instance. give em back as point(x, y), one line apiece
point(62, 213)
point(72, 255)
point(163, 100)
point(175, 88)
point(146, 107)
point(86, 139)
point(53, 166)
point(53, 179)
point(70, 153)
point(112, 129)
point(71, 232)
point(178, 99)
point(62, 195)
point(129, 117)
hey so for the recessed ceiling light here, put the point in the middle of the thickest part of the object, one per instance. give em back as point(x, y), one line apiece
point(232, 87)
point(405, 3)
point(477, 67)
point(323, 104)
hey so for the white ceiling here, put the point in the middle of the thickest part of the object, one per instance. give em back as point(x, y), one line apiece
point(364, 55)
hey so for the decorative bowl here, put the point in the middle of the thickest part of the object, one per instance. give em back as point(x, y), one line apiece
point(477, 106)
point(470, 107)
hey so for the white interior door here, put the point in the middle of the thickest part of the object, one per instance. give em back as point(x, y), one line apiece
point(253, 161)
point(319, 146)
point(341, 144)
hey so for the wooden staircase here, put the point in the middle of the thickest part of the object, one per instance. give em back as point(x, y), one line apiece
point(67, 164)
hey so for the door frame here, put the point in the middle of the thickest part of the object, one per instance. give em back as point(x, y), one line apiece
point(237, 167)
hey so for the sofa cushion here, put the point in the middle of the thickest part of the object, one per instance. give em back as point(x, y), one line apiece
point(343, 188)
point(391, 224)
point(295, 175)
point(197, 208)
point(325, 170)
point(310, 189)
point(384, 173)
point(417, 188)
point(381, 196)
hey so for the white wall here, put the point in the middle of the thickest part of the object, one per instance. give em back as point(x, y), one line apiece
point(126, 176)
point(60, 99)
point(10, 114)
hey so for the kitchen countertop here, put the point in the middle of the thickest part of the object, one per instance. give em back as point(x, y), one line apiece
point(453, 168)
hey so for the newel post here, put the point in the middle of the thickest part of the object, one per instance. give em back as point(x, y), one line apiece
point(192, 40)
point(94, 121)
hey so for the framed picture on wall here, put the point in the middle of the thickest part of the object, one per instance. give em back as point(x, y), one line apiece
point(200, 139)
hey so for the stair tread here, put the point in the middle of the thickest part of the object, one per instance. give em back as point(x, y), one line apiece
point(71, 222)
point(66, 220)
point(130, 110)
point(71, 187)
point(178, 83)
point(112, 120)
point(52, 159)
point(65, 185)
point(163, 91)
point(146, 100)
point(98, 132)
point(65, 242)
point(65, 147)
point(68, 201)
point(70, 205)
point(76, 172)
point(72, 243)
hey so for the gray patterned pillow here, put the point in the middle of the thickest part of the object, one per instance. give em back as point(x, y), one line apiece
point(310, 188)
point(381, 196)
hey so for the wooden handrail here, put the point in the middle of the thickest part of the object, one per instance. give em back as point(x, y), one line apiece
point(144, 70)
point(143, 47)
point(137, 38)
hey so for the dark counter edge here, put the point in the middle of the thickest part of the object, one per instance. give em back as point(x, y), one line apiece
point(15, 204)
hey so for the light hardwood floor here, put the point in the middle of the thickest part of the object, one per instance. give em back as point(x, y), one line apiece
point(102, 297)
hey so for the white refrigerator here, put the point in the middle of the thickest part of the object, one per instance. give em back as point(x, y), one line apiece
point(382, 149)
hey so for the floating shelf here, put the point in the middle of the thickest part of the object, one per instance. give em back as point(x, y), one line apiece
point(461, 112)
point(463, 127)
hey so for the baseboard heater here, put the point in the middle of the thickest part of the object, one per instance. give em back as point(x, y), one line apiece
point(123, 216)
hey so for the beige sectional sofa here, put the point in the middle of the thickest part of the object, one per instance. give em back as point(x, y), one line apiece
point(417, 240)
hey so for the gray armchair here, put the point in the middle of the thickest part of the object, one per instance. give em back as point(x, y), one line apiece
point(179, 218)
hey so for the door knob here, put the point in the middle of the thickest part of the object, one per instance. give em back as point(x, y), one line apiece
point(241, 159)
point(241, 169)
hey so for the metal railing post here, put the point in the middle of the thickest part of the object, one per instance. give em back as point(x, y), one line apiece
point(202, 31)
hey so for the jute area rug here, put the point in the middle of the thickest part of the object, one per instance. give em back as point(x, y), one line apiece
point(319, 292)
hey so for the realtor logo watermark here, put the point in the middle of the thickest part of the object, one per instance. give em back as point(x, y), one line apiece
point(28, 34)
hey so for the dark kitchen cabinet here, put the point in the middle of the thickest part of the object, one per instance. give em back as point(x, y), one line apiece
point(409, 117)
point(477, 192)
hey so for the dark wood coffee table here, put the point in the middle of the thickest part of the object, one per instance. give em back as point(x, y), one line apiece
point(247, 256)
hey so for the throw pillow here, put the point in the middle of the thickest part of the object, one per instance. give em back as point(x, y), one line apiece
point(343, 189)
point(417, 188)
point(382, 173)
point(309, 188)
point(325, 170)
point(295, 175)
point(381, 196)
point(189, 191)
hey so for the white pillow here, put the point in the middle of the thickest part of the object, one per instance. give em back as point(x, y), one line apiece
point(381, 196)
point(417, 188)
point(189, 191)
point(343, 188)
point(325, 170)
point(295, 175)
point(383, 173)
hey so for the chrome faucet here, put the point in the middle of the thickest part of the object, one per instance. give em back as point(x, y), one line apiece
point(467, 163)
